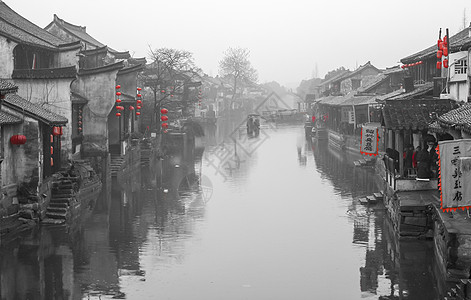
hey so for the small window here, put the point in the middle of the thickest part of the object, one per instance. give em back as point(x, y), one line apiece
point(461, 66)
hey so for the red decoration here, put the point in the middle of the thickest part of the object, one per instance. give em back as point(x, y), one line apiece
point(118, 93)
point(164, 118)
point(171, 95)
point(118, 100)
point(165, 131)
point(445, 51)
point(119, 107)
point(52, 161)
point(165, 125)
point(80, 122)
point(439, 64)
point(138, 113)
point(56, 130)
point(313, 119)
point(118, 114)
point(164, 111)
point(118, 86)
point(52, 150)
point(80, 128)
point(440, 44)
point(139, 101)
point(139, 95)
point(162, 91)
point(131, 107)
point(139, 89)
point(445, 63)
point(138, 107)
point(18, 139)
point(52, 139)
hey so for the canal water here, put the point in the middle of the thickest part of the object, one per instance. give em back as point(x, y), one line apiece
point(269, 217)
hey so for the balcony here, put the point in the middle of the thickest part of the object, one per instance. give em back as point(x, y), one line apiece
point(51, 73)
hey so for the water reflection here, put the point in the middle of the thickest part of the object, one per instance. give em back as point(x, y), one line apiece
point(284, 223)
point(392, 268)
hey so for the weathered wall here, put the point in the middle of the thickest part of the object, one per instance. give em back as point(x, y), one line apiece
point(55, 93)
point(459, 90)
point(6, 57)
point(67, 59)
point(99, 89)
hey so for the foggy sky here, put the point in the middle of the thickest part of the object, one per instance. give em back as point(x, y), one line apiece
point(287, 39)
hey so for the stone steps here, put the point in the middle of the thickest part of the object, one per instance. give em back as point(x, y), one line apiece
point(57, 211)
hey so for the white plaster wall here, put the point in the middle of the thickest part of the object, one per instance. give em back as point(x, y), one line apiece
point(6, 57)
point(55, 94)
point(68, 58)
point(459, 90)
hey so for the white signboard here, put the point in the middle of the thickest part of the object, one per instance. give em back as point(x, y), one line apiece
point(369, 140)
point(351, 117)
point(455, 174)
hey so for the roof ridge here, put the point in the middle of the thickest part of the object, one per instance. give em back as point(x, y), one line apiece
point(32, 24)
point(64, 22)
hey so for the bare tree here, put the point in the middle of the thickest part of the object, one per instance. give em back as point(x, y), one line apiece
point(170, 71)
point(236, 66)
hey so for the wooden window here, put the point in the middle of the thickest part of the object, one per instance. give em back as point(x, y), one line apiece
point(461, 66)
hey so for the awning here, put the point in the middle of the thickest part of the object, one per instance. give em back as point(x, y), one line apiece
point(414, 114)
point(33, 110)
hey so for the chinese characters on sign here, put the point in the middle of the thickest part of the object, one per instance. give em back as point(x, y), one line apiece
point(455, 169)
point(369, 140)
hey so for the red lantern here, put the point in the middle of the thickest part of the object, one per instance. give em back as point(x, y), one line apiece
point(80, 122)
point(119, 107)
point(403, 66)
point(445, 63)
point(52, 161)
point(52, 150)
point(118, 93)
point(52, 139)
point(164, 118)
point(171, 95)
point(139, 95)
point(139, 101)
point(164, 111)
point(162, 91)
point(56, 130)
point(138, 113)
point(118, 100)
point(445, 51)
point(164, 125)
point(138, 107)
point(165, 131)
point(18, 139)
point(139, 89)
point(440, 44)
point(131, 107)
point(118, 87)
point(439, 65)
point(313, 119)
point(118, 114)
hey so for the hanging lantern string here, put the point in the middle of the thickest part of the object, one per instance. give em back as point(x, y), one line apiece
point(412, 64)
